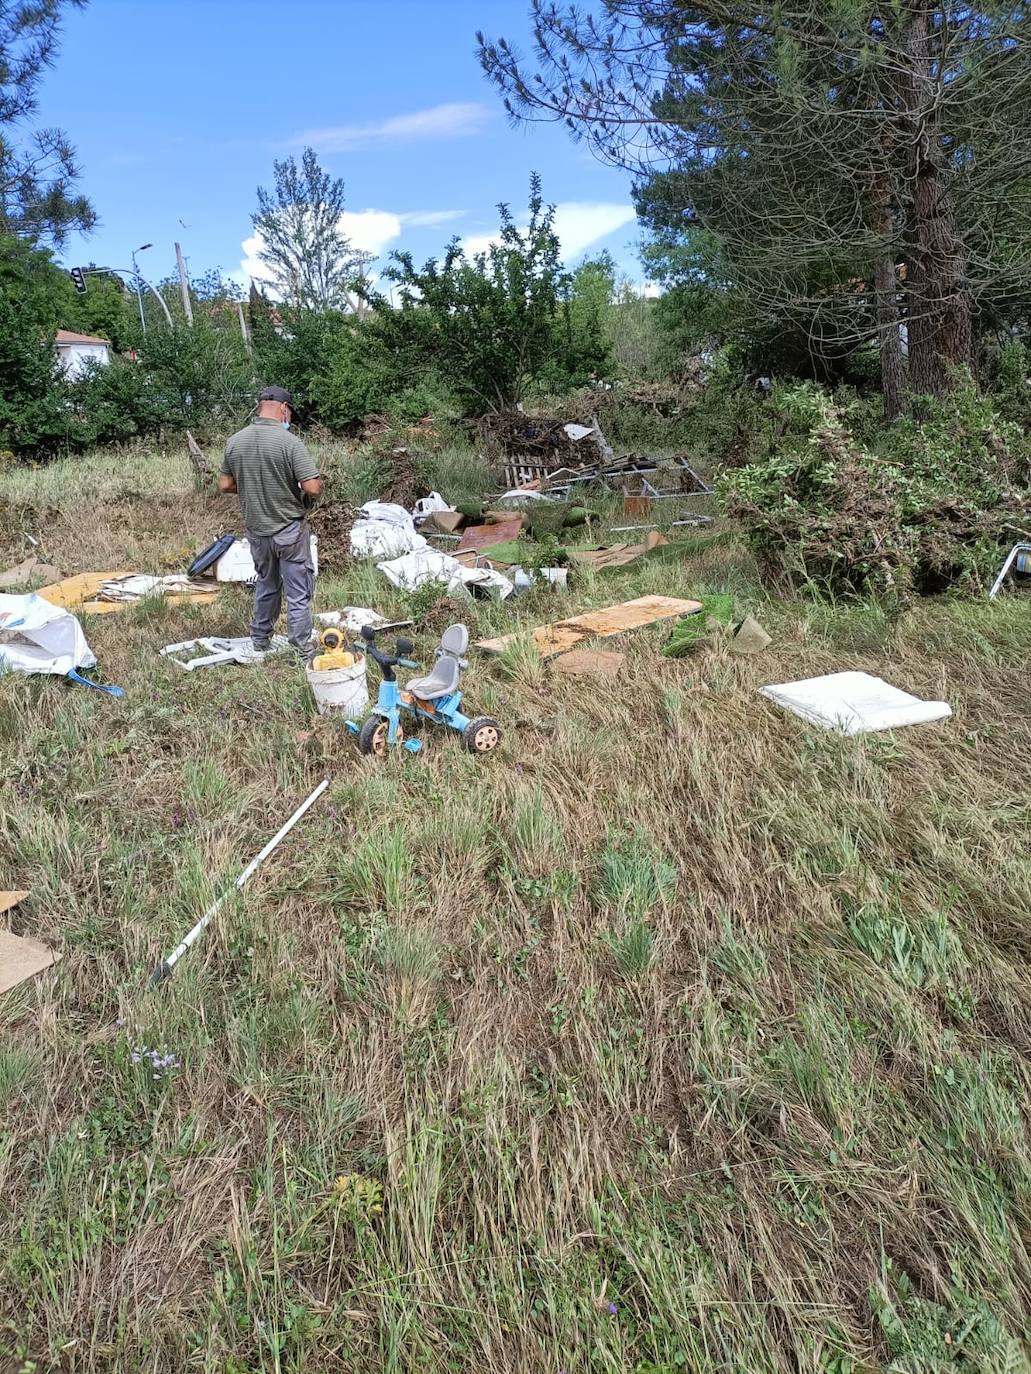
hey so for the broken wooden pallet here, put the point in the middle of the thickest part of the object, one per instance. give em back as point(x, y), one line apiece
point(610, 620)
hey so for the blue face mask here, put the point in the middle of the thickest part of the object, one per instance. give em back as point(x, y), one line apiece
point(285, 424)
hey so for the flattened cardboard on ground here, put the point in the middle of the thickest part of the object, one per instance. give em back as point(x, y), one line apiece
point(564, 635)
point(20, 958)
point(618, 555)
point(78, 593)
point(442, 522)
point(590, 663)
point(25, 571)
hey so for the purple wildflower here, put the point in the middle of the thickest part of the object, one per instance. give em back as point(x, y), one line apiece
point(612, 1309)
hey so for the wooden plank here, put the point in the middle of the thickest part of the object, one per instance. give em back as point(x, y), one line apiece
point(610, 620)
point(78, 594)
point(9, 899)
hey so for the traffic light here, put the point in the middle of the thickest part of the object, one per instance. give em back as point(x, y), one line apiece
point(78, 277)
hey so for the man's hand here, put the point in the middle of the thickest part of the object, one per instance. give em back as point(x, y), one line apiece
point(311, 490)
point(226, 485)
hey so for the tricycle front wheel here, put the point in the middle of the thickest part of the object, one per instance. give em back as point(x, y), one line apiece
point(372, 737)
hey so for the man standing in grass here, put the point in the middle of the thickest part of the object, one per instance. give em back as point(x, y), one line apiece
point(277, 480)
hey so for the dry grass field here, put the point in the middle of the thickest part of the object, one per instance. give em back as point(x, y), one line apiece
point(674, 1036)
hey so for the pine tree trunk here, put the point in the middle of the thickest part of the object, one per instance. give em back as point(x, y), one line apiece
point(889, 332)
point(886, 299)
point(939, 316)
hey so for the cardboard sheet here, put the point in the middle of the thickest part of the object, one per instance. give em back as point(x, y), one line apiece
point(78, 594)
point(21, 575)
point(20, 958)
point(619, 555)
point(590, 663)
point(556, 639)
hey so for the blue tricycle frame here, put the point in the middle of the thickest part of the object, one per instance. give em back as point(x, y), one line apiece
point(383, 730)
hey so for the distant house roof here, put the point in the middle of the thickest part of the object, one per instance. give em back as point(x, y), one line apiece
point(65, 336)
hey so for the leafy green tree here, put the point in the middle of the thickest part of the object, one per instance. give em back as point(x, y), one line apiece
point(202, 376)
point(310, 261)
point(38, 170)
point(589, 317)
point(491, 326)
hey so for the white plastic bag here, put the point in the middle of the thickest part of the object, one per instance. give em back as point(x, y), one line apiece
point(428, 505)
point(36, 637)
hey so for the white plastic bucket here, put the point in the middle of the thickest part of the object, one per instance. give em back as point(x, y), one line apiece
point(341, 691)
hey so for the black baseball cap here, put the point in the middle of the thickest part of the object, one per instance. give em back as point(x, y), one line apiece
point(277, 393)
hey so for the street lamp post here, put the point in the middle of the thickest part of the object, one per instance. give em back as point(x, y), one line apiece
point(136, 279)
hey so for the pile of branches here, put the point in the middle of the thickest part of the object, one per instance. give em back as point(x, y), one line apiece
point(509, 434)
point(404, 484)
point(932, 508)
point(331, 520)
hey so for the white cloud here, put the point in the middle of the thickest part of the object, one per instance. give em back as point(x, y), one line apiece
point(427, 218)
point(578, 224)
point(458, 119)
point(371, 231)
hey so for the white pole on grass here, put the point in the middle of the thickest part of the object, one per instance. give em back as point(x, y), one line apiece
point(167, 965)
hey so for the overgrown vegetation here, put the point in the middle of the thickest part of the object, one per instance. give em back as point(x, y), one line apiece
point(674, 1036)
point(922, 507)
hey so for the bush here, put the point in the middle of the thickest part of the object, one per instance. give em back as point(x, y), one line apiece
point(923, 512)
point(121, 401)
point(35, 414)
point(1010, 382)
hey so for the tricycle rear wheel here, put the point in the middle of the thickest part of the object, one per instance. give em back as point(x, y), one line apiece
point(482, 735)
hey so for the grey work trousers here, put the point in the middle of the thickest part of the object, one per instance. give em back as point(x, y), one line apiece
point(283, 563)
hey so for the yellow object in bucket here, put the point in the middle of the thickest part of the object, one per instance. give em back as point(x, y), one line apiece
point(336, 655)
point(335, 658)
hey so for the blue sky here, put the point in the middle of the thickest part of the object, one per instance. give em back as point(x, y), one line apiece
point(178, 107)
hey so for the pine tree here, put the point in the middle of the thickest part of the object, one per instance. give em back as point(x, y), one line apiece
point(858, 167)
point(37, 166)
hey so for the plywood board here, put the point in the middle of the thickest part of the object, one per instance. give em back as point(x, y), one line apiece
point(72, 592)
point(482, 536)
point(9, 899)
point(21, 958)
point(610, 620)
point(78, 593)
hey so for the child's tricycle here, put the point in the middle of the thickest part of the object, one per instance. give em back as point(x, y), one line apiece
point(435, 697)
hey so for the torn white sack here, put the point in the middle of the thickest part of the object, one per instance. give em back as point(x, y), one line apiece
point(36, 637)
point(138, 585)
point(384, 531)
point(854, 703)
point(352, 618)
point(430, 565)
